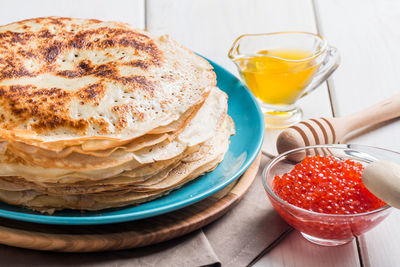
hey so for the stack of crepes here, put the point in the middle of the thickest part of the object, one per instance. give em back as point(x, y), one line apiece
point(95, 115)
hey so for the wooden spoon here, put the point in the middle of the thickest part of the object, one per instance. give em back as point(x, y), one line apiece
point(382, 178)
point(333, 130)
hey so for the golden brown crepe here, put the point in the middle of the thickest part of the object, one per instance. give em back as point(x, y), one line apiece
point(96, 115)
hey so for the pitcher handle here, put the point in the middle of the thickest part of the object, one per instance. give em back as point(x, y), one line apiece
point(328, 66)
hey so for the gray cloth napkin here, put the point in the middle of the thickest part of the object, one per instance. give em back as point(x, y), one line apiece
point(249, 228)
point(236, 239)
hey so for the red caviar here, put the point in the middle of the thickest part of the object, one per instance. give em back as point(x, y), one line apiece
point(326, 185)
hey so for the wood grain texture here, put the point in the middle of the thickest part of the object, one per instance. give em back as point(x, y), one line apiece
point(314, 105)
point(130, 234)
point(366, 33)
point(368, 42)
point(380, 246)
point(209, 27)
point(294, 250)
point(318, 131)
point(131, 11)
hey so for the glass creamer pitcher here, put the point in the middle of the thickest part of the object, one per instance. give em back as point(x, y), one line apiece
point(280, 68)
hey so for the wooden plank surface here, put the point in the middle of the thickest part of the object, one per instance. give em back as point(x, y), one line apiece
point(368, 42)
point(209, 27)
point(294, 250)
point(367, 35)
point(131, 11)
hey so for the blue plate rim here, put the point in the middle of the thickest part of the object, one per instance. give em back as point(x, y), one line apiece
point(119, 218)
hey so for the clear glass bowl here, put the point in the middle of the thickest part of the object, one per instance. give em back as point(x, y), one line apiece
point(320, 228)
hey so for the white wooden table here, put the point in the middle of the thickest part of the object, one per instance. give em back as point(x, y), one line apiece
point(366, 32)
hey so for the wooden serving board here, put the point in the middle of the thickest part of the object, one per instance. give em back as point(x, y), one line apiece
point(77, 238)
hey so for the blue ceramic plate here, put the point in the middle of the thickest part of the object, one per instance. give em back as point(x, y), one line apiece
point(243, 149)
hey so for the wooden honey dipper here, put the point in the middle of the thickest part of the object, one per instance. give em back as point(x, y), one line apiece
point(333, 130)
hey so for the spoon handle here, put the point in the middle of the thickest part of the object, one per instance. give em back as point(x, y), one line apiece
point(382, 178)
point(380, 112)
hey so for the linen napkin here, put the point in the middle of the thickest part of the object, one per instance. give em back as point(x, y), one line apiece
point(248, 229)
point(236, 239)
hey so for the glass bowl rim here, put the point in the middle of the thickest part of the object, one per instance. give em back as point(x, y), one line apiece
point(314, 55)
point(270, 164)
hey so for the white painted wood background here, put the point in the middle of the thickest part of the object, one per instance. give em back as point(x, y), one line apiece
point(366, 32)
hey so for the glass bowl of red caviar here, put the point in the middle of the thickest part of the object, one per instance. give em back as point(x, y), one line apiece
point(318, 190)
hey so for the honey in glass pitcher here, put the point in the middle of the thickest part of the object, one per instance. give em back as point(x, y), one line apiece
point(280, 68)
point(274, 79)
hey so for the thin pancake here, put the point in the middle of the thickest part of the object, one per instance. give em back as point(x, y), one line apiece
point(213, 109)
point(183, 173)
point(65, 80)
point(121, 182)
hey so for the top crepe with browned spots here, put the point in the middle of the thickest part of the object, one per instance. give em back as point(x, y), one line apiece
point(64, 78)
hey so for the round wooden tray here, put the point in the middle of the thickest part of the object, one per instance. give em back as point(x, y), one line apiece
point(126, 235)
